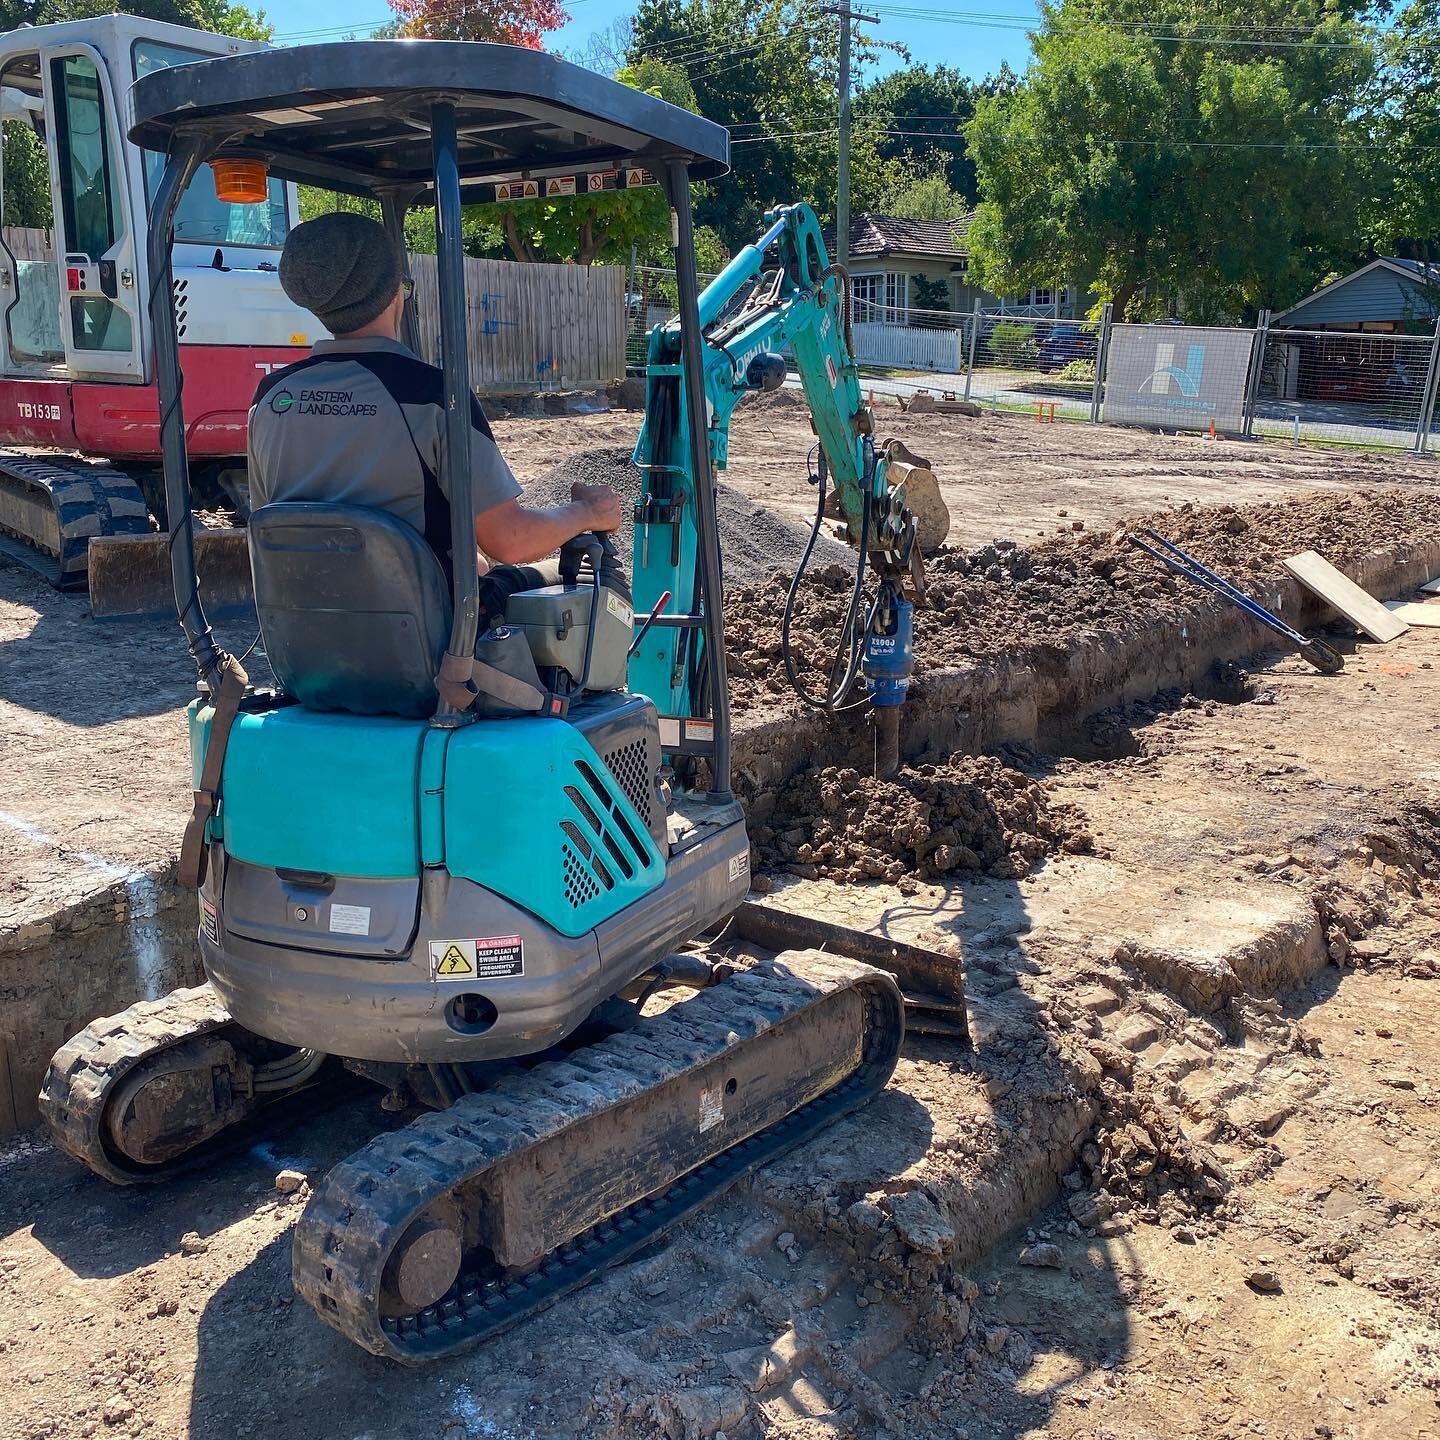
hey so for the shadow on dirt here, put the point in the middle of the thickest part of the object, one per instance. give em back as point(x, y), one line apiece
point(87, 673)
point(100, 1230)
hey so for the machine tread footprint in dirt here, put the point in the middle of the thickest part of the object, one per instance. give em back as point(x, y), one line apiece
point(481, 897)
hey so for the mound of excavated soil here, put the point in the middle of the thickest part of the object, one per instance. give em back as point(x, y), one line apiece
point(754, 541)
point(1004, 598)
point(971, 814)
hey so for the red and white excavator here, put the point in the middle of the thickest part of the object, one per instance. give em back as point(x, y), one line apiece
point(79, 408)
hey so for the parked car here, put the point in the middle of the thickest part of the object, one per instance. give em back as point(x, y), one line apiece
point(1064, 344)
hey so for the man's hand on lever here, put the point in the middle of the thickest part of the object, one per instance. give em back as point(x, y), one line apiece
point(600, 502)
point(514, 535)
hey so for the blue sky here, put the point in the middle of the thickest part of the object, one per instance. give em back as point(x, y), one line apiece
point(973, 42)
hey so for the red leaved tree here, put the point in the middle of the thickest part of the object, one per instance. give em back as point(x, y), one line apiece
point(508, 22)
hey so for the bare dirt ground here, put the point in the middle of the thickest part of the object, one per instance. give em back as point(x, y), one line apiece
point(1201, 1103)
point(1216, 1034)
point(91, 725)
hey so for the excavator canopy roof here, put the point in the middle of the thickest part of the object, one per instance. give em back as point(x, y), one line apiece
point(355, 117)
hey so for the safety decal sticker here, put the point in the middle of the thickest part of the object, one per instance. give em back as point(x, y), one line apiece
point(499, 956)
point(739, 866)
point(492, 957)
point(349, 919)
point(712, 1108)
point(620, 610)
point(210, 920)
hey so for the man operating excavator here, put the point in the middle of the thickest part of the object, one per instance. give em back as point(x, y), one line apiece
point(361, 420)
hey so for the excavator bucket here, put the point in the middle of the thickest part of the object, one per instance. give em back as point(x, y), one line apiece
point(130, 574)
point(922, 494)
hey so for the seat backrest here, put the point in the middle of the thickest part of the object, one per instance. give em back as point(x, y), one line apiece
point(354, 607)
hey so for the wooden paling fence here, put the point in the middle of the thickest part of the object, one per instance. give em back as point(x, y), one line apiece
point(27, 243)
point(532, 327)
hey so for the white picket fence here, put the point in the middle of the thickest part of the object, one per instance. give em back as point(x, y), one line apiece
point(908, 347)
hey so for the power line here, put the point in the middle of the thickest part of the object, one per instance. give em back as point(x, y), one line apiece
point(1094, 140)
point(1162, 31)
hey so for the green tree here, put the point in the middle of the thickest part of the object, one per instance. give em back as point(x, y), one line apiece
point(929, 104)
point(1174, 147)
point(216, 15)
point(768, 71)
point(1402, 213)
point(920, 195)
point(604, 227)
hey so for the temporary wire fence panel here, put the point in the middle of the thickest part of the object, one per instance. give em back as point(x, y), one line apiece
point(1042, 366)
point(532, 327)
point(1348, 387)
point(1326, 386)
point(1178, 377)
point(652, 298)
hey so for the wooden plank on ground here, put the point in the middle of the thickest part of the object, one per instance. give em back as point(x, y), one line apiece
point(1415, 612)
point(1318, 574)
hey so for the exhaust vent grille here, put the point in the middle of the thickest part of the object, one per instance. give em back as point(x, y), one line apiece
point(599, 846)
point(630, 765)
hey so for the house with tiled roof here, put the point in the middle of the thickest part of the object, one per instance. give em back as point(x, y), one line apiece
point(899, 265)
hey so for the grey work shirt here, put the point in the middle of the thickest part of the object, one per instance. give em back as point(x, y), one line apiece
point(362, 422)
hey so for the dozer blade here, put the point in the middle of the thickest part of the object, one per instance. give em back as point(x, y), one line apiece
point(130, 574)
point(932, 982)
point(439, 1235)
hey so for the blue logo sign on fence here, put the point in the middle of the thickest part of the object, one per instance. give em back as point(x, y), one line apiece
point(1180, 377)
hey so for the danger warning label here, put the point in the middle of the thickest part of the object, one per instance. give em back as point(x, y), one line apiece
point(491, 957)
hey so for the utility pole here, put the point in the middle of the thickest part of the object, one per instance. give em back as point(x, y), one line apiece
point(842, 197)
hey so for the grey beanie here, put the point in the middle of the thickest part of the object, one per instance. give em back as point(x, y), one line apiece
point(342, 268)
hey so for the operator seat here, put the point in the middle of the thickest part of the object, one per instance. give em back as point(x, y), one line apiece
point(354, 607)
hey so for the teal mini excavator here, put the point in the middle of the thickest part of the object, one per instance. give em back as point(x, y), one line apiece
point(460, 865)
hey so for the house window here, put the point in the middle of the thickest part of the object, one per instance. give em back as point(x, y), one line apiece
point(880, 297)
point(1041, 295)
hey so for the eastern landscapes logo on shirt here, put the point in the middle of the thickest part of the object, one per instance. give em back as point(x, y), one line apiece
point(320, 402)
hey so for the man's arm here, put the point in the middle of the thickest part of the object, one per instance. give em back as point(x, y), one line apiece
point(513, 535)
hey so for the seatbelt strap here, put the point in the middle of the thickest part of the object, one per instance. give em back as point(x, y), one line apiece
point(458, 673)
point(508, 689)
point(225, 707)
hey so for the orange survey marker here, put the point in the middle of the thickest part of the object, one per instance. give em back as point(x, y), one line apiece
point(1045, 411)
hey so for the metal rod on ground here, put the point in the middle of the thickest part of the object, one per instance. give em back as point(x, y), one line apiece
point(1427, 399)
point(1257, 364)
point(1102, 353)
point(974, 340)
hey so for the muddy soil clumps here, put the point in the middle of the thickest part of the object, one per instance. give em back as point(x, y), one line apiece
point(971, 814)
point(1002, 597)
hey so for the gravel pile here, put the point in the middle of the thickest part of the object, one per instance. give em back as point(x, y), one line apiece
point(972, 814)
point(754, 541)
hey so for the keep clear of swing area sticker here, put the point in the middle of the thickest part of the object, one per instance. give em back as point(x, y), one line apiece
point(493, 957)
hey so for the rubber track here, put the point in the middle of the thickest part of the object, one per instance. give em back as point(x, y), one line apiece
point(89, 499)
point(363, 1206)
point(87, 1068)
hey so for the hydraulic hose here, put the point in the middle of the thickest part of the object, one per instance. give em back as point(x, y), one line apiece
point(849, 637)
